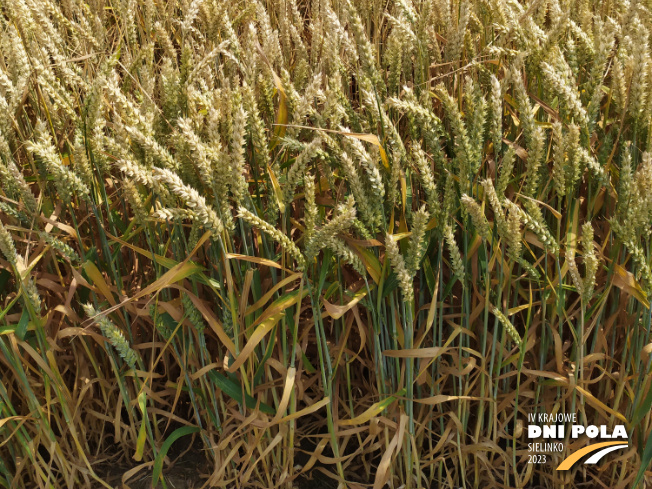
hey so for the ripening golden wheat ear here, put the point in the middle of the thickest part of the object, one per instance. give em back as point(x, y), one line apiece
point(418, 243)
point(67, 182)
point(477, 216)
point(400, 268)
point(274, 233)
point(201, 211)
point(342, 221)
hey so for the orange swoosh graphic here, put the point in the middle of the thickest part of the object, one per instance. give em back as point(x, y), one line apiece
point(571, 459)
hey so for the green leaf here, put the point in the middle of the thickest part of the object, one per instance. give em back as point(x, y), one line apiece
point(278, 192)
point(642, 409)
point(21, 330)
point(11, 328)
point(390, 284)
point(325, 268)
point(307, 365)
point(174, 436)
point(233, 389)
point(430, 274)
point(646, 459)
point(268, 353)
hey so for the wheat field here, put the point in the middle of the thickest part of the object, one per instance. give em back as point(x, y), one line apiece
point(322, 243)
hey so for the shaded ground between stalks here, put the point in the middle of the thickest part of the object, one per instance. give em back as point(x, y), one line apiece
point(186, 474)
point(189, 471)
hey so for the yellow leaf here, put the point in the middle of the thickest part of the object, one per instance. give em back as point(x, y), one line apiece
point(599, 405)
point(254, 259)
point(287, 391)
point(140, 442)
point(98, 280)
point(278, 193)
point(212, 322)
point(336, 311)
point(374, 410)
point(373, 139)
point(305, 411)
point(626, 281)
point(258, 335)
point(550, 208)
point(382, 473)
point(403, 191)
point(434, 400)
point(176, 273)
point(370, 138)
point(369, 260)
point(3, 421)
point(265, 323)
point(432, 352)
point(268, 295)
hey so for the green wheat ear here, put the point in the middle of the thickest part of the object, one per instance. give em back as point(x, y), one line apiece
point(61, 247)
point(113, 334)
point(193, 314)
point(507, 324)
point(7, 245)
